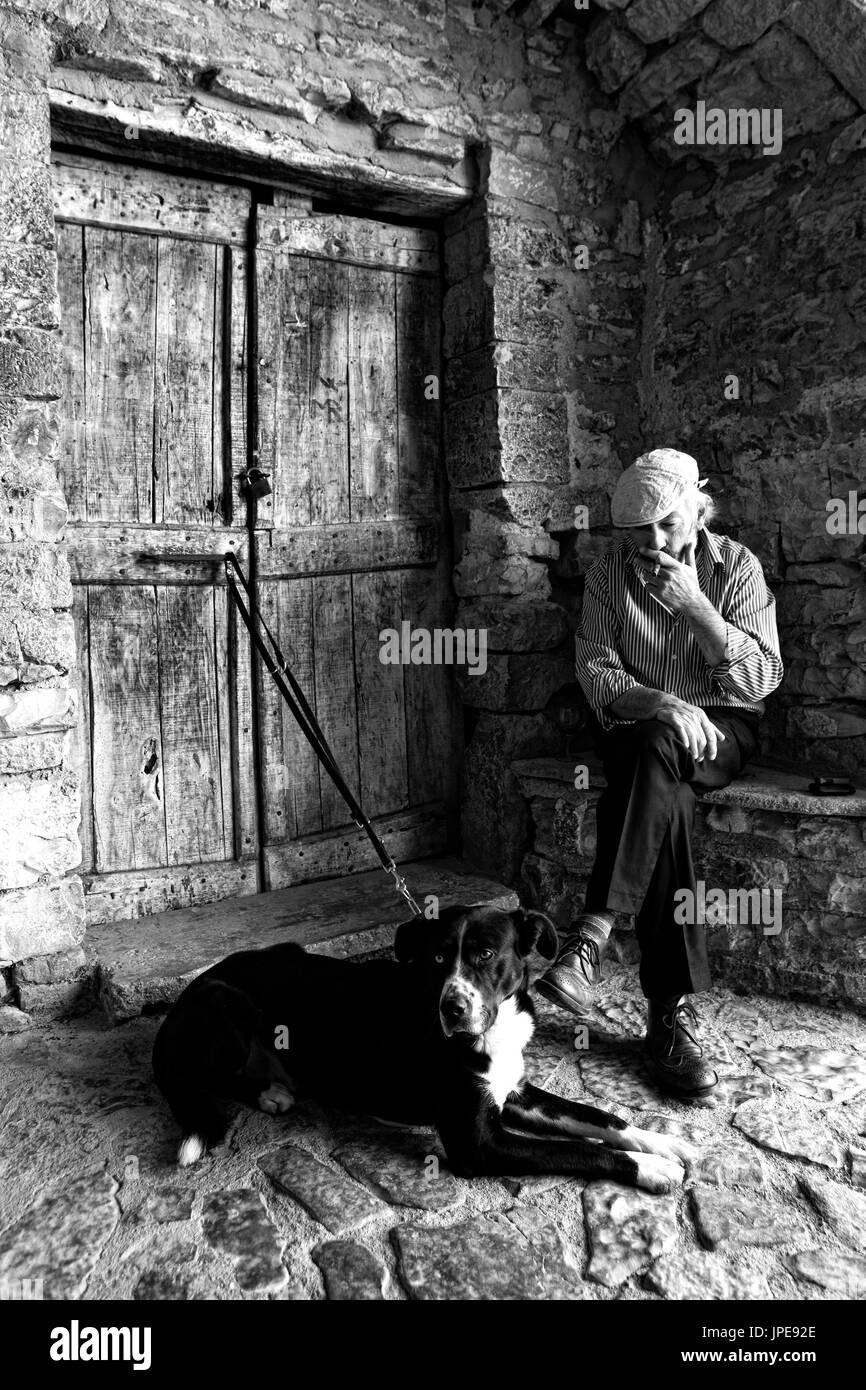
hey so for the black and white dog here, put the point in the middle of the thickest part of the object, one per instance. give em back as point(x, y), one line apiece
point(433, 1038)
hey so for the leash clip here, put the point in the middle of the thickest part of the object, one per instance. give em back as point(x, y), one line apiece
point(400, 885)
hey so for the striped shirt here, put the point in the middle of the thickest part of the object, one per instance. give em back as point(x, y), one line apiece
point(628, 639)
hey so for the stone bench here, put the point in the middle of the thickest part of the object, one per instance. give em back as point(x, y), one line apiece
point(763, 831)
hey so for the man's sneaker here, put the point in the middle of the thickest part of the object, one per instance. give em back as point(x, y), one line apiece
point(571, 980)
point(676, 1057)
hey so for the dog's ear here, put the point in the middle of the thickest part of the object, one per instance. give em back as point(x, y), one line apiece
point(535, 931)
point(407, 939)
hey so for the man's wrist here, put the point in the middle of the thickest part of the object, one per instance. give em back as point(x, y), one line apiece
point(699, 607)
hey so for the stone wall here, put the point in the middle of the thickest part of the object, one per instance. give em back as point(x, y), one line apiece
point(754, 337)
point(599, 288)
point(41, 899)
point(487, 118)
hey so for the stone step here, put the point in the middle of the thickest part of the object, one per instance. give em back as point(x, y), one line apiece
point(141, 966)
point(756, 789)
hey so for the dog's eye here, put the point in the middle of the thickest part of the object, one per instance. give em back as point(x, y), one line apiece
point(486, 955)
point(440, 960)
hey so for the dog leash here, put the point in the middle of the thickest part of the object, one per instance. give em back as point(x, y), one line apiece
point(297, 702)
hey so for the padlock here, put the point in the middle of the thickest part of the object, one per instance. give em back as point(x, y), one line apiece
point(255, 483)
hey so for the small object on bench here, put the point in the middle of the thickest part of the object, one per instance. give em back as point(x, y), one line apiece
point(831, 786)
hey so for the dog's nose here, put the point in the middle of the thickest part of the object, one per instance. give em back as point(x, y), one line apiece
point(454, 1006)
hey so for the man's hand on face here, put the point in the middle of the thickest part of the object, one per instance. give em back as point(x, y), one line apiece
point(692, 727)
point(673, 582)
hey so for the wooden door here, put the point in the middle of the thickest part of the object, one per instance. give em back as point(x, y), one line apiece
point(152, 279)
point(351, 541)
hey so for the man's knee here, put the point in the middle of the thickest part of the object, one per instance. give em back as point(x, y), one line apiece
point(651, 740)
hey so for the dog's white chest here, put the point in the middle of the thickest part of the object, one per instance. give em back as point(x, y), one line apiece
point(504, 1044)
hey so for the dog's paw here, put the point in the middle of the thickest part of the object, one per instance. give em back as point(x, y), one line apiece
point(657, 1174)
point(669, 1146)
point(276, 1100)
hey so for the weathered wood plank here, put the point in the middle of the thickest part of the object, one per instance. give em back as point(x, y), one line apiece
point(419, 378)
point(289, 765)
point(190, 732)
point(224, 663)
point(119, 554)
point(239, 365)
point(220, 505)
point(373, 485)
point(119, 318)
point(81, 754)
point(72, 464)
point(328, 435)
point(409, 834)
point(243, 739)
point(343, 549)
point(335, 689)
point(283, 295)
point(350, 239)
point(381, 709)
point(431, 702)
point(184, 454)
point(112, 195)
point(128, 895)
point(128, 807)
point(301, 768)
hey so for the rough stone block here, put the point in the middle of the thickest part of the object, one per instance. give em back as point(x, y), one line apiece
point(35, 576)
point(677, 67)
point(525, 307)
point(28, 290)
point(494, 814)
point(653, 20)
point(520, 243)
point(36, 709)
point(467, 312)
point(513, 436)
point(44, 920)
point(736, 23)
point(533, 430)
point(54, 969)
point(34, 752)
point(423, 139)
point(511, 625)
point(848, 894)
point(510, 177)
point(39, 819)
point(613, 54)
point(519, 682)
point(30, 363)
point(836, 31)
point(13, 1020)
point(267, 93)
point(57, 1000)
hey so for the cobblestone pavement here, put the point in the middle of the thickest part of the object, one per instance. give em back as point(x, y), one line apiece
point(320, 1204)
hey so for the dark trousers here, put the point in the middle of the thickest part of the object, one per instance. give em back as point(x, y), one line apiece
point(645, 820)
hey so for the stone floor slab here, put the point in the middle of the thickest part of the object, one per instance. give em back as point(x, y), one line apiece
point(408, 1170)
point(721, 1215)
point(843, 1209)
point(351, 1272)
point(798, 1136)
point(235, 1223)
point(695, 1275)
point(329, 1197)
point(817, 1073)
point(626, 1230)
point(474, 1261)
point(838, 1272)
point(59, 1238)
